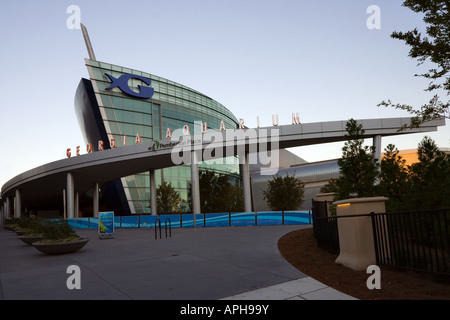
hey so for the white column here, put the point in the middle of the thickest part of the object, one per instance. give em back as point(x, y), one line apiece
point(377, 145)
point(377, 154)
point(18, 208)
point(77, 204)
point(7, 208)
point(70, 195)
point(153, 203)
point(195, 184)
point(64, 204)
point(96, 197)
point(246, 184)
point(2, 215)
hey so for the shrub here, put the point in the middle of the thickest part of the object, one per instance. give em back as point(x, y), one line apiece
point(59, 230)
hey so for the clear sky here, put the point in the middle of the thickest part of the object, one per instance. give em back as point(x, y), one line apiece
point(256, 57)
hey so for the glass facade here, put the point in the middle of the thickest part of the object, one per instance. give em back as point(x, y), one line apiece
point(172, 106)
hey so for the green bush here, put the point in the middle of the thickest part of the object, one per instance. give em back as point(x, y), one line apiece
point(12, 222)
point(59, 230)
point(29, 224)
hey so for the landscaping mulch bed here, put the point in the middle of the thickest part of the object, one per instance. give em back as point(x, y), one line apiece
point(300, 249)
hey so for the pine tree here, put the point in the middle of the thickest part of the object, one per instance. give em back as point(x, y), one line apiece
point(430, 178)
point(358, 169)
point(394, 179)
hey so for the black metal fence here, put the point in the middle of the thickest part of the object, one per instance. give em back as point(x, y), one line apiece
point(326, 233)
point(416, 240)
point(325, 228)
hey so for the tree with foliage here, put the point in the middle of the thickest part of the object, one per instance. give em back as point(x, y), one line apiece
point(218, 194)
point(234, 198)
point(168, 200)
point(284, 193)
point(394, 179)
point(358, 168)
point(435, 47)
point(430, 178)
point(423, 185)
point(330, 187)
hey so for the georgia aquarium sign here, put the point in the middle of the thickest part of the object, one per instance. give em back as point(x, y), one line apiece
point(122, 84)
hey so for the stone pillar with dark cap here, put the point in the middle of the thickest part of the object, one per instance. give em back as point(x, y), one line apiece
point(357, 250)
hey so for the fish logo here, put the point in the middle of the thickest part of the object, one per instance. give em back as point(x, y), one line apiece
point(122, 84)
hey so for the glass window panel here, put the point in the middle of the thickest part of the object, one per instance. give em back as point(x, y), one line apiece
point(146, 107)
point(147, 119)
point(127, 116)
point(119, 114)
point(137, 129)
point(116, 102)
point(155, 85)
point(127, 104)
point(137, 118)
point(137, 106)
point(105, 66)
point(129, 131)
point(156, 108)
point(114, 127)
point(156, 133)
point(98, 74)
point(110, 114)
point(136, 72)
point(148, 132)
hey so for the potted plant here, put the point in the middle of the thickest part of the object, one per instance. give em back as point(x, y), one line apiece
point(30, 230)
point(11, 224)
point(59, 238)
point(23, 225)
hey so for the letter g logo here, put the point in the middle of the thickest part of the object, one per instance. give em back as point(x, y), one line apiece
point(122, 84)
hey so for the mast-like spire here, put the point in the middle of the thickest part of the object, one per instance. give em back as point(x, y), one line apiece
point(88, 42)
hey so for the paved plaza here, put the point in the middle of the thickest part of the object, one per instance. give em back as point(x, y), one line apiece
point(239, 263)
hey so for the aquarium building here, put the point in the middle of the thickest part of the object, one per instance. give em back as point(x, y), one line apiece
point(124, 113)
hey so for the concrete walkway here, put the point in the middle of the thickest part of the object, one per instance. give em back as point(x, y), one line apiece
point(238, 263)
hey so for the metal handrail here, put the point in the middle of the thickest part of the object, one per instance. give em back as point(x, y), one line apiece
point(157, 221)
point(170, 227)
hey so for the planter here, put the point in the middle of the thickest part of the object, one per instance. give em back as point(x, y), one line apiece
point(21, 232)
point(30, 239)
point(60, 247)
